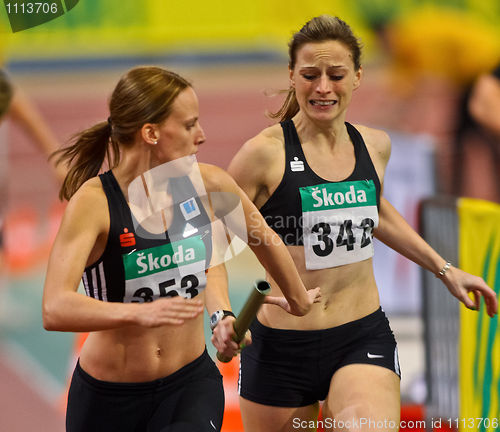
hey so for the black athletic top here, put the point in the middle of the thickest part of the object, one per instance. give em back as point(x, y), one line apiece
point(138, 266)
point(283, 210)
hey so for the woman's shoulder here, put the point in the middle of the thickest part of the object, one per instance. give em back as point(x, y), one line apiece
point(89, 200)
point(215, 179)
point(86, 212)
point(90, 190)
point(267, 141)
point(259, 154)
point(377, 141)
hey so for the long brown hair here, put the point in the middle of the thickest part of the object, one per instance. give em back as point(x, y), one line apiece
point(319, 29)
point(143, 95)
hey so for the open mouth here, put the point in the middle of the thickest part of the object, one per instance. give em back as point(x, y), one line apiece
point(322, 102)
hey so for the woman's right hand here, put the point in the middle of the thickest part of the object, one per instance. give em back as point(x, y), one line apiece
point(168, 311)
point(314, 296)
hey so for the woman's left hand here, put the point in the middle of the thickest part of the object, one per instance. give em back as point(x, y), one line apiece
point(460, 284)
point(222, 338)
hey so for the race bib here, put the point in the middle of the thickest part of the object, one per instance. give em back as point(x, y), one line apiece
point(173, 269)
point(338, 219)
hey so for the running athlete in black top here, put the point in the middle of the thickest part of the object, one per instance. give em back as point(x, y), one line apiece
point(144, 366)
point(134, 259)
point(285, 200)
point(343, 352)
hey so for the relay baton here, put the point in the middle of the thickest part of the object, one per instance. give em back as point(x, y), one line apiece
point(247, 313)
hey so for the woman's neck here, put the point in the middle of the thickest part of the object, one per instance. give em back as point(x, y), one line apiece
point(134, 161)
point(331, 133)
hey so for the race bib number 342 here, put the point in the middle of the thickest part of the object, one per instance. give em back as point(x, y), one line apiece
point(338, 219)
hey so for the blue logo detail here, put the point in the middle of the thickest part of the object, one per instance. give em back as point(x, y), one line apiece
point(189, 206)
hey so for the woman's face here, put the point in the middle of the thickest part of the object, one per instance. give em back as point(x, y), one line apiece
point(180, 134)
point(324, 79)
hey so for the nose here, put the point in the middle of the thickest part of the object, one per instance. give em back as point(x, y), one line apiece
point(323, 85)
point(201, 136)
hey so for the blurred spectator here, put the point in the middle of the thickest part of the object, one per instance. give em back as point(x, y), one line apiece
point(478, 127)
point(15, 104)
point(484, 103)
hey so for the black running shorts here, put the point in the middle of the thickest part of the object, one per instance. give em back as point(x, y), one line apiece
point(293, 368)
point(190, 399)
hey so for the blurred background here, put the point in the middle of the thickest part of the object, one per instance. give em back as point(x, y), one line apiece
point(421, 60)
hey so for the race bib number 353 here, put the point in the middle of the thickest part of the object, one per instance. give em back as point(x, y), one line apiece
point(338, 219)
point(174, 269)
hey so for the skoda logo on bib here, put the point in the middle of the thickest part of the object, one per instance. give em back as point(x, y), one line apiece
point(173, 269)
point(338, 219)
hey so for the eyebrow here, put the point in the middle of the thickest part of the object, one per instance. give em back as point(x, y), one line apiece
point(328, 68)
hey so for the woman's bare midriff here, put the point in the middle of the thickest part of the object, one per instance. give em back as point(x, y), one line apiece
point(348, 293)
point(139, 354)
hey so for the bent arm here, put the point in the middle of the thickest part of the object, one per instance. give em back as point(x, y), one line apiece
point(396, 233)
point(64, 309)
point(217, 298)
point(217, 294)
point(270, 250)
point(275, 258)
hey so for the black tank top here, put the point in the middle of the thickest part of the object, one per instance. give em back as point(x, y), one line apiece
point(138, 266)
point(283, 210)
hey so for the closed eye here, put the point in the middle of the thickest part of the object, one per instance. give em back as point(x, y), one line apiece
point(191, 124)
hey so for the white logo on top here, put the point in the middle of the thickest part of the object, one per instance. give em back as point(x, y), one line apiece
point(189, 230)
point(296, 164)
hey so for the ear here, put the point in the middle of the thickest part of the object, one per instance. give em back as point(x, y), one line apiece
point(357, 78)
point(292, 80)
point(150, 133)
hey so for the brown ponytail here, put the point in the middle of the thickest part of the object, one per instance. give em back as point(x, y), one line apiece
point(6, 92)
point(85, 157)
point(145, 94)
point(289, 108)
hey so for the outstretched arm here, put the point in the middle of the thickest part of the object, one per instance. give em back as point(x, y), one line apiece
point(396, 233)
point(24, 112)
point(266, 245)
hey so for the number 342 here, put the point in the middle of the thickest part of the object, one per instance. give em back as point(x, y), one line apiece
point(345, 236)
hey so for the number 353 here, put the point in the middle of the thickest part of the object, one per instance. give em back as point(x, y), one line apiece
point(188, 285)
